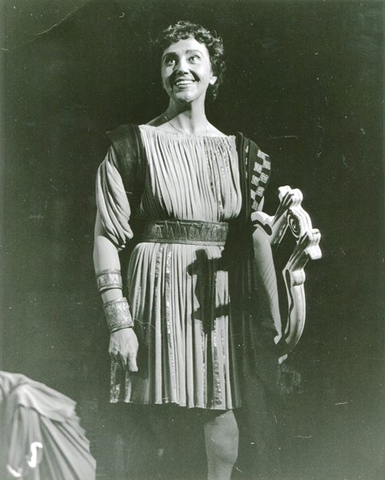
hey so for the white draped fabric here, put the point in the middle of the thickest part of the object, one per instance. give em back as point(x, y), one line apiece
point(178, 293)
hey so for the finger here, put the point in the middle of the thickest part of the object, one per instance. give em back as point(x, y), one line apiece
point(122, 361)
point(131, 363)
point(114, 354)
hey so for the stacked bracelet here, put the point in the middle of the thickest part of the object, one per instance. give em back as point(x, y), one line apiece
point(108, 279)
point(118, 316)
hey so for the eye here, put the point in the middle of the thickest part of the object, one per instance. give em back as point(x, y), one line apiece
point(194, 59)
point(169, 62)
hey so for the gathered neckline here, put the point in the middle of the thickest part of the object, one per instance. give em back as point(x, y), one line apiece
point(186, 135)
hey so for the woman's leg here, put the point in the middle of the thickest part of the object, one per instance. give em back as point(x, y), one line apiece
point(258, 456)
point(221, 440)
point(143, 442)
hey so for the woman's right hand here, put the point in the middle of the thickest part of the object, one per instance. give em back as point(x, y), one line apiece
point(123, 348)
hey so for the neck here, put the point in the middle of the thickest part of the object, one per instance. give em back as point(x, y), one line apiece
point(190, 119)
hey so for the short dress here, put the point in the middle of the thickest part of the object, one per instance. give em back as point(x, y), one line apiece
point(178, 293)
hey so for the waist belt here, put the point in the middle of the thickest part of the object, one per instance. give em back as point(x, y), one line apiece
point(186, 232)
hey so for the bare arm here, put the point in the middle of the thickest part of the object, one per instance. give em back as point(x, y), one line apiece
point(265, 277)
point(123, 345)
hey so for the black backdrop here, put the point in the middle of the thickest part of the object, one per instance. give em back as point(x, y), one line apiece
point(304, 80)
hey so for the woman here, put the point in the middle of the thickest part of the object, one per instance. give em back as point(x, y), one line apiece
point(175, 340)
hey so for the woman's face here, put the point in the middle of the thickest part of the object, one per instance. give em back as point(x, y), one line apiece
point(186, 71)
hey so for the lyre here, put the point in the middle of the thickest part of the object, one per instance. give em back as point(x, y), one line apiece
point(289, 217)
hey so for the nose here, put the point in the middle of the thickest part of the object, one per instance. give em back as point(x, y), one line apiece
point(181, 67)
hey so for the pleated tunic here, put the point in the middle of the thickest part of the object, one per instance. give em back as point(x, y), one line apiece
point(178, 293)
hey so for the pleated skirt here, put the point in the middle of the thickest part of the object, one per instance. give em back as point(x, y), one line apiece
point(179, 298)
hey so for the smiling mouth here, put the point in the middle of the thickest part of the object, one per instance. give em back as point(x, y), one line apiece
point(183, 82)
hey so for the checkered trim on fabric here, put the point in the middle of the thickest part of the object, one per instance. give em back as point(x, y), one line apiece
point(254, 167)
point(259, 178)
point(263, 155)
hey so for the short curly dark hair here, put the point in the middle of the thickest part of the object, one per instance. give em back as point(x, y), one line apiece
point(214, 45)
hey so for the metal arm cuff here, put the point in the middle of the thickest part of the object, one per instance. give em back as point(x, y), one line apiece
point(108, 279)
point(118, 315)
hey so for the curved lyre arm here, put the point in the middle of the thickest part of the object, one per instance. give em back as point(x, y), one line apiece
point(276, 225)
point(294, 276)
point(290, 216)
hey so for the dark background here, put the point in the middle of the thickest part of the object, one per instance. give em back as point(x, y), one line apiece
point(304, 80)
